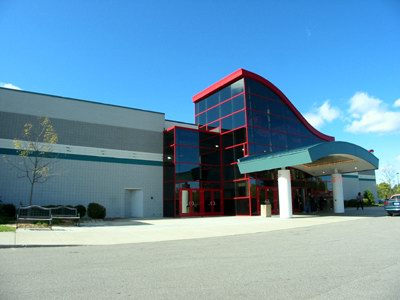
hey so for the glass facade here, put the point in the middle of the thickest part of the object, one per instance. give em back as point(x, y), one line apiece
point(201, 175)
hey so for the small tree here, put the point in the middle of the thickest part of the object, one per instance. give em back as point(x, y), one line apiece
point(384, 190)
point(34, 151)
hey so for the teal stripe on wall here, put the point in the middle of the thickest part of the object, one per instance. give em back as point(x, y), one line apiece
point(91, 158)
point(349, 176)
point(367, 179)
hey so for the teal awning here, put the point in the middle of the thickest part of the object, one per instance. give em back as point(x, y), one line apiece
point(319, 159)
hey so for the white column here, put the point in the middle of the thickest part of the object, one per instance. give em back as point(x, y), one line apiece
point(285, 194)
point(338, 201)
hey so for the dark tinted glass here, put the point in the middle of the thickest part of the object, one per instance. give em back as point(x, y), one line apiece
point(169, 172)
point(241, 188)
point(187, 172)
point(202, 119)
point(210, 157)
point(242, 207)
point(202, 105)
point(229, 189)
point(233, 138)
point(210, 173)
point(187, 137)
point(229, 207)
point(187, 154)
point(225, 93)
point(237, 87)
point(209, 140)
point(212, 100)
point(255, 87)
point(168, 208)
point(233, 121)
point(213, 114)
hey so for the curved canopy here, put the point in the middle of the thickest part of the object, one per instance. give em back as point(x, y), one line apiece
point(317, 160)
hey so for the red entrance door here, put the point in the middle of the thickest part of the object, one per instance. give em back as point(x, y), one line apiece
point(265, 193)
point(200, 202)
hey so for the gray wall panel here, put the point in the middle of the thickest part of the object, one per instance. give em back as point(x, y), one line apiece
point(86, 134)
point(82, 182)
point(78, 110)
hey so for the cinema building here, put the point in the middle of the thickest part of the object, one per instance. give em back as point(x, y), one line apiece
point(248, 145)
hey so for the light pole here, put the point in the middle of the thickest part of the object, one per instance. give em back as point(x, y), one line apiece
point(397, 180)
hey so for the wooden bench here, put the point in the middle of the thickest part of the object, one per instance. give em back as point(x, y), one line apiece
point(34, 213)
point(65, 213)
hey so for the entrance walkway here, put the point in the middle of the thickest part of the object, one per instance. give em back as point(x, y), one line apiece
point(126, 231)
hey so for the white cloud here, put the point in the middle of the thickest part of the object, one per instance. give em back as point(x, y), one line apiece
point(397, 103)
point(323, 114)
point(370, 114)
point(9, 86)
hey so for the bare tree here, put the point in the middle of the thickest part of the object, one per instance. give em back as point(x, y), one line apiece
point(35, 151)
point(389, 175)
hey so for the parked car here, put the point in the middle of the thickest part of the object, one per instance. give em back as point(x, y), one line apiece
point(392, 205)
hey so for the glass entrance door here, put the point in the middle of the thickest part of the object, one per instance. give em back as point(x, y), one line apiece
point(200, 202)
point(270, 194)
point(212, 202)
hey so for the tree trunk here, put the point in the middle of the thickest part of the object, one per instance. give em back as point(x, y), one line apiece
point(31, 194)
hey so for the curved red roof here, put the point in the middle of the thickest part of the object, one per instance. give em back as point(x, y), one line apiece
point(242, 73)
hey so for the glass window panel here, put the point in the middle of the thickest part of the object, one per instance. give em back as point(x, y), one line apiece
point(228, 156)
point(242, 207)
point(209, 140)
point(202, 105)
point(213, 114)
point(229, 189)
point(202, 119)
point(225, 93)
point(196, 108)
point(259, 148)
point(229, 173)
point(255, 87)
point(210, 157)
point(257, 103)
point(213, 126)
point(237, 87)
point(187, 154)
point(168, 139)
point(239, 136)
point(226, 123)
point(241, 188)
point(279, 140)
point(210, 173)
point(226, 108)
point(237, 103)
point(238, 119)
point(169, 172)
point(278, 124)
point(227, 139)
point(277, 107)
point(187, 137)
point(239, 152)
point(259, 135)
point(187, 172)
point(212, 100)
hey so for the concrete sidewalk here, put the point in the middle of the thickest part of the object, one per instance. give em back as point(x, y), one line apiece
point(128, 231)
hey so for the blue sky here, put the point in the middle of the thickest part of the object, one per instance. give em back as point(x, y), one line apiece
point(337, 61)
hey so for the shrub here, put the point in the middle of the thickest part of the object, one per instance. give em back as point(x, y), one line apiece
point(8, 210)
point(369, 198)
point(81, 210)
point(350, 203)
point(96, 211)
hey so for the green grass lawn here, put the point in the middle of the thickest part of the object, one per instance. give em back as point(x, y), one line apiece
point(5, 228)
